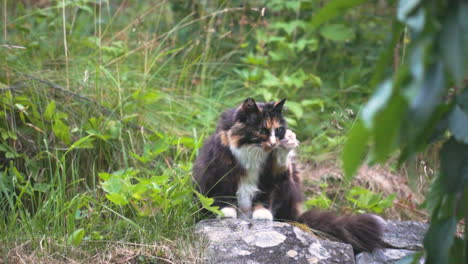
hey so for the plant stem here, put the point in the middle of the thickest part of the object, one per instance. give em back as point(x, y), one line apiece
point(65, 44)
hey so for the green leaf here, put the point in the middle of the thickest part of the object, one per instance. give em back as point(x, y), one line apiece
point(406, 7)
point(438, 240)
point(104, 176)
point(83, 143)
point(333, 9)
point(378, 101)
point(355, 149)
point(428, 96)
point(207, 203)
point(62, 131)
point(386, 128)
point(117, 198)
point(414, 17)
point(50, 110)
point(337, 32)
point(452, 44)
point(458, 124)
point(76, 237)
point(321, 201)
point(295, 108)
point(291, 121)
point(288, 27)
point(386, 57)
point(314, 102)
point(458, 119)
point(453, 165)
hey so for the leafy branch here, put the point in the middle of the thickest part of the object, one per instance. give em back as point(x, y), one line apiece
point(416, 107)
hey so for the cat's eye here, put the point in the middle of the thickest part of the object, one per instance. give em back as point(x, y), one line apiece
point(280, 132)
point(263, 131)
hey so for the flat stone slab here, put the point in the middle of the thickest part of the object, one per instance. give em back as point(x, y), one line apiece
point(405, 235)
point(258, 241)
point(384, 256)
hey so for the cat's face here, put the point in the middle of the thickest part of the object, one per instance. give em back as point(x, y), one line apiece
point(259, 124)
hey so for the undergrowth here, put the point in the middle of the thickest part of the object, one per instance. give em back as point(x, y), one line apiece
point(105, 104)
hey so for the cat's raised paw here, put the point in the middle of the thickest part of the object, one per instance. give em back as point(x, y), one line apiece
point(262, 214)
point(229, 212)
point(289, 141)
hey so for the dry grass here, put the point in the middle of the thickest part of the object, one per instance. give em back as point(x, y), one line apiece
point(107, 252)
point(380, 179)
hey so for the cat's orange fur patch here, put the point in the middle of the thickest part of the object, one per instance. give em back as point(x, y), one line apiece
point(224, 138)
point(233, 140)
point(258, 206)
point(272, 123)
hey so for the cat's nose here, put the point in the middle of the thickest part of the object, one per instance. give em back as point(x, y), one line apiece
point(272, 142)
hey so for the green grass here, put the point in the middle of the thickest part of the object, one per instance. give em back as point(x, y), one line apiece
point(132, 90)
point(131, 93)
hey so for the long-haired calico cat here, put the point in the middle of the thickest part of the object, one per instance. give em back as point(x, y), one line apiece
point(246, 167)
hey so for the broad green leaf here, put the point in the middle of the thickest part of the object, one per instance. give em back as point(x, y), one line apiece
point(321, 201)
point(428, 96)
point(291, 121)
point(386, 127)
point(76, 237)
point(333, 9)
point(439, 239)
point(83, 143)
point(386, 57)
point(457, 250)
point(405, 8)
point(314, 102)
point(270, 80)
point(452, 47)
point(458, 124)
point(113, 185)
point(288, 27)
point(62, 131)
point(104, 176)
point(378, 101)
point(295, 108)
point(337, 32)
point(50, 110)
point(117, 198)
point(434, 196)
point(207, 203)
point(416, 20)
point(453, 165)
point(355, 149)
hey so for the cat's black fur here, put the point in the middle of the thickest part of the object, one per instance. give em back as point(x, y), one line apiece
point(219, 173)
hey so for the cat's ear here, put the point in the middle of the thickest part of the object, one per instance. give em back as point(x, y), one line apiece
point(278, 106)
point(249, 106)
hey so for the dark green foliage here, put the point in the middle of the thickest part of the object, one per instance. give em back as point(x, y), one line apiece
point(425, 100)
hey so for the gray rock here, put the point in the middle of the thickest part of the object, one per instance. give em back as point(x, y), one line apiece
point(255, 241)
point(402, 238)
point(384, 256)
point(405, 235)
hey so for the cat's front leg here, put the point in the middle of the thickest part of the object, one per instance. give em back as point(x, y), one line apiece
point(286, 145)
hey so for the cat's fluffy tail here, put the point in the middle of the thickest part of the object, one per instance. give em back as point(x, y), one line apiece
point(363, 232)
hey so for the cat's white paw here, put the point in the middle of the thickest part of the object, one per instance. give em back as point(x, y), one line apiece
point(229, 212)
point(262, 214)
point(289, 141)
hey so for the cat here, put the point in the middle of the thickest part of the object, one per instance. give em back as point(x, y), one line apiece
point(247, 167)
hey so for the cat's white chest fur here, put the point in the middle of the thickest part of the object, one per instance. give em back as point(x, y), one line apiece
point(252, 158)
